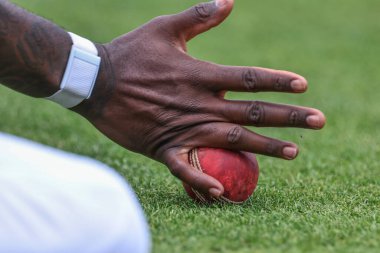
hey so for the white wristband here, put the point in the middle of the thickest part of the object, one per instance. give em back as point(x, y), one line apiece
point(80, 74)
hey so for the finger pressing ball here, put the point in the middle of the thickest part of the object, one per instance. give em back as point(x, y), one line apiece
point(238, 172)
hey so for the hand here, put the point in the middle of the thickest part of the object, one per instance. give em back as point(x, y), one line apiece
point(153, 98)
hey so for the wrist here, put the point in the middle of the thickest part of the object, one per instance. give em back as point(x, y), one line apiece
point(103, 89)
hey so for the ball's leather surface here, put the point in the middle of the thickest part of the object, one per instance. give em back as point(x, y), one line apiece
point(238, 172)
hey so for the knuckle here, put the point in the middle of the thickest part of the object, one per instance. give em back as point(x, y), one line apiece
point(193, 75)
point(297, 118)
point(281, 84)
point(270, 148)
point(234, 134)
point(273, 148)
point(255, 113)
point(202, 11)
point(293, 118)
point(250, 79)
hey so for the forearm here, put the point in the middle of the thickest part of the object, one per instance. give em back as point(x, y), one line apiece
point(33, 52)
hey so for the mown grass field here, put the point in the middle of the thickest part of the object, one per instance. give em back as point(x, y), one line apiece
point(328, 200)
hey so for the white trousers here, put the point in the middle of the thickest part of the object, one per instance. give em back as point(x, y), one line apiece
point(52, 201)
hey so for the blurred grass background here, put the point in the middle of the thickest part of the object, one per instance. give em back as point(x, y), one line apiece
point(328, 200)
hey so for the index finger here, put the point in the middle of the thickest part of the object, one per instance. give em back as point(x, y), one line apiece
point(253, 79)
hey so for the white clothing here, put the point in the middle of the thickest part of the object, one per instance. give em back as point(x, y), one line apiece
point(56, 202)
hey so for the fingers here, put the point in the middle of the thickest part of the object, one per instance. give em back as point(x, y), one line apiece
point(251, 79)
point(177, 162)
point(263, 114)
point(201, 18)
point(235, 137)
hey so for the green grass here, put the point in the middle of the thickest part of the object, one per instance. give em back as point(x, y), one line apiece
point(328, 200)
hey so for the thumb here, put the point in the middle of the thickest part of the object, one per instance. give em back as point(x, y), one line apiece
point(201, 18)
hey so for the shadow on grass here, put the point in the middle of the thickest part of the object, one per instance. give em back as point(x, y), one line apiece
point(257, 203)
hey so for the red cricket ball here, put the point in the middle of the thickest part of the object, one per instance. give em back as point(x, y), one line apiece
point(238, 172)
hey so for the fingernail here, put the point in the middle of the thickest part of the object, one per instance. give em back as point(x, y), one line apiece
point(221, 3)
point(289, 152)
point(297, 85)
point(313, 121)
point(214, 192)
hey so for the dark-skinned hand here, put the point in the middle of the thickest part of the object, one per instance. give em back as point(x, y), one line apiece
point(153, 98)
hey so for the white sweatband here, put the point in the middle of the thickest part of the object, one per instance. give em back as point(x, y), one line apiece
point(80, 74)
